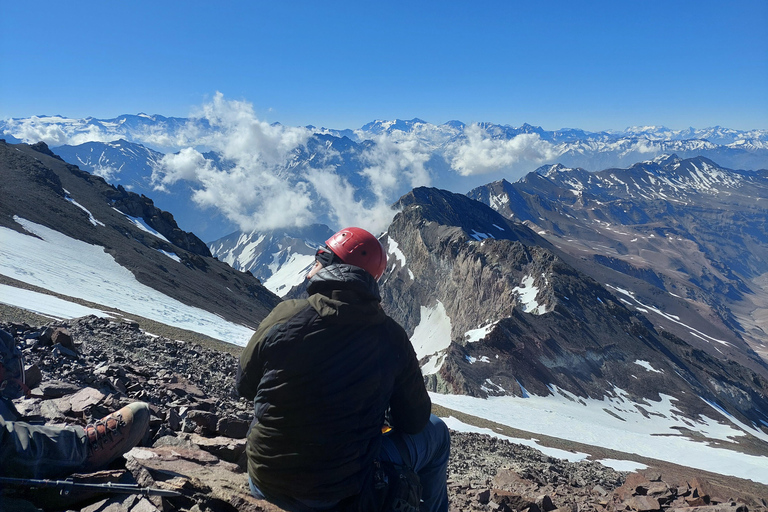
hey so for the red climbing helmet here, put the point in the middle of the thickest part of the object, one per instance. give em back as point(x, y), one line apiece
point(356, 246)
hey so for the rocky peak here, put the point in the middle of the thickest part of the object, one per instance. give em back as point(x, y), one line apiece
point(514, 302)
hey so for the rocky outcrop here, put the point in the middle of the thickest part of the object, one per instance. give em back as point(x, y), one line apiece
point(143, 207)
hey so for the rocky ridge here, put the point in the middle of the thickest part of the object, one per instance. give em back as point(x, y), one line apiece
point(523, 316)
point(688, 227)
point(84, 368)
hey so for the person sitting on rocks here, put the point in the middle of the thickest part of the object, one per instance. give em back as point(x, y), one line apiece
point(322, 373)
point(49, 451)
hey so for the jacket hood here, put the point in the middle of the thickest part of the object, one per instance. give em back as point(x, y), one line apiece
point(344, 278)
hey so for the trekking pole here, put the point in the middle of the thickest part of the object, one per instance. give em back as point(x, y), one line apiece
point(66, 486)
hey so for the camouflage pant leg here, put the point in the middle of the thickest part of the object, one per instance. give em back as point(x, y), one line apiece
point(40, 451)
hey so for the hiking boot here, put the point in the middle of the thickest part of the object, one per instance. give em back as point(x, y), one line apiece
point(115, 434)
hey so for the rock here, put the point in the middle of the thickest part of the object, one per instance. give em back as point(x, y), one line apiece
point(636, 483)
point(202, 473)
point(700, 488)
point(33, 376)
point(544, 502)
point(643, 503)
point(174, 419)
point(224, 448)
point(203, 419)
point(64, 338)
point(505, 500)
point(85, 398)
point(698, 501)
point(233, 427)
point(509, 480)
point(58, 389)
point(713, 508)
point(184, 382)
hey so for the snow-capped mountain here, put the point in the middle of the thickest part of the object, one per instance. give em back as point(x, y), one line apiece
point(201, 160)
point(131, 165)
point(156, 131)
point(191, 166)
point(687, 227)
point(280, 259)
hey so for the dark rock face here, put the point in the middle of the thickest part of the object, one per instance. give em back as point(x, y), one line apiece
point(547, 322)
point(143, 207)
point(198, 427)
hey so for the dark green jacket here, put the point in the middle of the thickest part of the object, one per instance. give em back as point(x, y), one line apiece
point(322, 373)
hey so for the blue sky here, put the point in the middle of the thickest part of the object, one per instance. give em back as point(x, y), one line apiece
point(593, 65)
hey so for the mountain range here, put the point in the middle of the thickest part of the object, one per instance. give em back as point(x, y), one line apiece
point(636, 292)
point(372, 166)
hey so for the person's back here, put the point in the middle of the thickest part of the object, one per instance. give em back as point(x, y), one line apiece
point(330, 365)
point(322, 373)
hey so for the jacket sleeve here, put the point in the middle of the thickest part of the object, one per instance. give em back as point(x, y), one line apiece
point(410, 406)
point(251, 367)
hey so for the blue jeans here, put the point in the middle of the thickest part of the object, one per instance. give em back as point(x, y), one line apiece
point(426, 452)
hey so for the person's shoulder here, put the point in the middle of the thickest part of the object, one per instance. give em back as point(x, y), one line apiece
point(394, 328)
point(287, 309)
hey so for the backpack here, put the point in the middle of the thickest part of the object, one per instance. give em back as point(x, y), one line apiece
point(389, 488)
point(12, 360)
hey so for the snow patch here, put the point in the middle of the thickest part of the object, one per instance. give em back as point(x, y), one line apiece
point(433, 334)
point(291, 273)
point(673, 318)
point(460, 426)
point(90, 215)
point(596, 422)
point(527, 296)
point(474, 335)
point(46, 305)
point(172, 255)
point(622, 465)
point(647, 366)
point(77, 269)
point(394, 249)
point(477, 235)
point(142, 225)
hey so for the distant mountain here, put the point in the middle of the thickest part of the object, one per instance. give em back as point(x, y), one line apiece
point(130, 165)
point(280, 258)
point(495, 309)
point(382, 158)
point(119, 162)
point(142, 239)
point(688, 227)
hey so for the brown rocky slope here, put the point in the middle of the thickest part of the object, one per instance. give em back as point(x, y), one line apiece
point(83, 368)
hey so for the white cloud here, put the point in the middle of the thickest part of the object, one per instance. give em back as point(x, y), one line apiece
point(188, 164)
point(262, 185)
point(394, 161)
point(56, 131)
point(345, 209)
point(480, 153)
point(31, 131)
point(238, 135)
